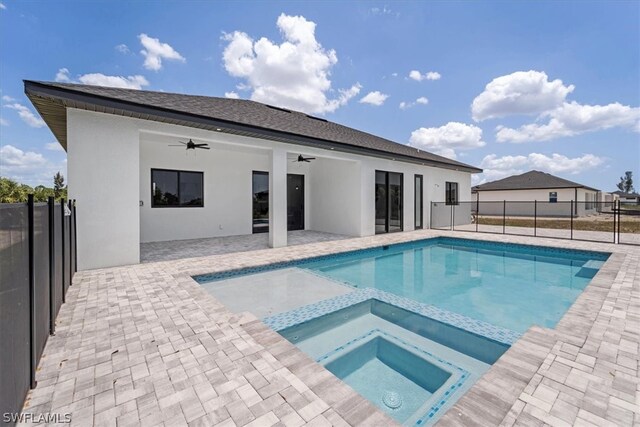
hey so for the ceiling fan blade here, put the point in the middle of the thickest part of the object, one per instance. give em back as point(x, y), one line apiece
point(175, 145)
point(201, 145)
point(310, 158)
point(203, 148)
point(184, 143)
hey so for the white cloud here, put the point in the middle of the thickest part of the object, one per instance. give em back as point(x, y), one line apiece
point(445, 140)
point(53, 146)
point(154, 52)
point(7, 98)
point(374, 98)
point(522, 92)
point(4, 122)
point(500, 167)
point(572, 119)
point(2, 6)
point(28, 167)
point(99, 79)
point(405, 105)
point(122, 48)
point(430, 75)
point(232, 95)
point(27, 115)
point(63, 75)
point(293, 74)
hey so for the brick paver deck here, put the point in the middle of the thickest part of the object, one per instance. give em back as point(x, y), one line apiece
point(146, 345)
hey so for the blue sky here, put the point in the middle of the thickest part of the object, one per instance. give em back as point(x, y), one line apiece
point(507, 86)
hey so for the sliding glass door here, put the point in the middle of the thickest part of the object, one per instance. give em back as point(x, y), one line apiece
point(388, 202)
point(418, 208)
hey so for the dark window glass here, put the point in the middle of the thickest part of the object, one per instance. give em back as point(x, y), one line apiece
point(451, 193)
point(260, 183)
point(395, 201)
point(190, 188)
point(381, 202)
point(388, 200)
point(418, 201)
point(171, 188)
point(553, 197)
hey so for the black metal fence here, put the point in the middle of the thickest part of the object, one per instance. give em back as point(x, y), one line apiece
point(37, 263)
point(608, 222)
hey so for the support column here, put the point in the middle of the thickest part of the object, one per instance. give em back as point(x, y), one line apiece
point(278, 198)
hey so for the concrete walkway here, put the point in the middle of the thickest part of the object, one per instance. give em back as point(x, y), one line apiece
point(179, 249)
point(147, 345)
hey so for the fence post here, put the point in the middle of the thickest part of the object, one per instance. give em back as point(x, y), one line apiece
point(75, 238)
point(535, 218)
point(571, 220)
point(477, 210)
point(614, 221)
point(504, 216)
point(453, 217)
point(71, 245)
point(32, 292)
point(619, 218)
point(64, 296)
point(52, 266)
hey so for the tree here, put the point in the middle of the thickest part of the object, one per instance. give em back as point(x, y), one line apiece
point(58, 185)
point(626, 182)
point(12, 191)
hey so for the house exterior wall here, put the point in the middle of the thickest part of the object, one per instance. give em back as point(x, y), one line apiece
point(102, 168)
point(112, 152)
point(491, 202)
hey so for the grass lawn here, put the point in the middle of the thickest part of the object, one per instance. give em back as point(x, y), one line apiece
point(626, 226)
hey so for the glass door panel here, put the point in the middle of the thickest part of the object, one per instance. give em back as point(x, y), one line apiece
point(381, 202)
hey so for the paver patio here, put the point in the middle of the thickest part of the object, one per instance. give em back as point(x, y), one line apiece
point(146, 345)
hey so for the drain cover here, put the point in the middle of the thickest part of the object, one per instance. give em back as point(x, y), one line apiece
point(392, 399)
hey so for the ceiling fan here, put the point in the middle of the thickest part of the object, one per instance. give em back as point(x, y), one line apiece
point(301, 158)
point(191, 145)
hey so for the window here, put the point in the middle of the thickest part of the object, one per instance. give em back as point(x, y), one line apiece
point(553, 197)
point(260, 196)
point(451, 193)
point(418, 201)
point(173, 189)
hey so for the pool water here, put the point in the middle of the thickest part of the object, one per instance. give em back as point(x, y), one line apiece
point(410, 366)
point(512, 286)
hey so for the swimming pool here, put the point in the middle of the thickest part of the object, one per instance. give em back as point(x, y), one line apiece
point(508, 285)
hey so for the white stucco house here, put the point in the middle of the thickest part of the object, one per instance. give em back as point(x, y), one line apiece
point(553, 194)
point(259, 168)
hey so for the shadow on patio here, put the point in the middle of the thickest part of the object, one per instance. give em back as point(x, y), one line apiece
point(179, 249)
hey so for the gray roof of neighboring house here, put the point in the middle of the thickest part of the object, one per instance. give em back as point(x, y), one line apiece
point(530, 181)
point(235, 116)
point(623, 194)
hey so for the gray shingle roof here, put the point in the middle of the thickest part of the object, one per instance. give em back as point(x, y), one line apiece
point(247, 113)
point(529, 181)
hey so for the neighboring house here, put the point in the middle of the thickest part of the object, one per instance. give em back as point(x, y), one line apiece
point(627, 198)
point(135, 182)
point(556, 194)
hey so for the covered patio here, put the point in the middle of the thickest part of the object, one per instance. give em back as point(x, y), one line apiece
point(179, 249)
